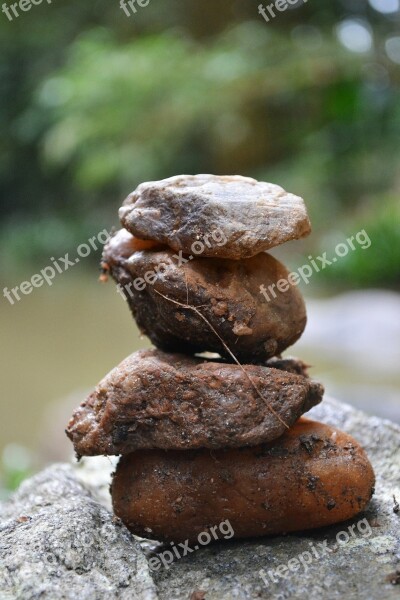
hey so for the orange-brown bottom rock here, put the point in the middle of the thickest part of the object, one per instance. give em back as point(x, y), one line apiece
point(312, 476)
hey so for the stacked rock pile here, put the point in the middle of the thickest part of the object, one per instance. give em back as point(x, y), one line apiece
point(209, 424)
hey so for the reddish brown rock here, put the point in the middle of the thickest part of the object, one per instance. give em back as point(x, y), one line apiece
point(312, 476)
point(289, 364)
point(226, 292)
point(184, 211)
point(171, 401)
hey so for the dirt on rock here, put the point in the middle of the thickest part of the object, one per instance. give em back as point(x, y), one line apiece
point(171, 401)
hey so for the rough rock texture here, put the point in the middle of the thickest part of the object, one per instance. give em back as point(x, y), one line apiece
point(182, 210)
point(313, 475)
point(172, 401)
point(289, 364)
point(230, 570)
point(360, 570)
point(57, 542)
point(226, 292)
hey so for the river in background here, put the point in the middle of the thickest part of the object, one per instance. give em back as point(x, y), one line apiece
point(59, 342)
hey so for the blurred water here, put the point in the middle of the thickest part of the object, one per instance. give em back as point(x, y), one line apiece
point(353, 341)
point(57, 344)
point(60, 341)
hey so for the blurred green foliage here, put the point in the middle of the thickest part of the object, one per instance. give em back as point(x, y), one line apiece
point(380, 265)
point(16, 464)
point(95, 102)
point(163, 100)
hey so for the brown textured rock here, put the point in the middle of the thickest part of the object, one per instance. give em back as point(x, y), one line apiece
point(171, 401)
point(227, 293)
point(186, 209)
point(312, 476)
point(289, 364)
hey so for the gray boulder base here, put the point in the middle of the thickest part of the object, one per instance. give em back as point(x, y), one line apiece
point(58, 540)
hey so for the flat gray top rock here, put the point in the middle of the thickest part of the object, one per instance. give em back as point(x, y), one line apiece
point(226, 216)
point(58, 541)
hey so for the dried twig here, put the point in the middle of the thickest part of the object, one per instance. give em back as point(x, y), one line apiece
point(195, 309)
